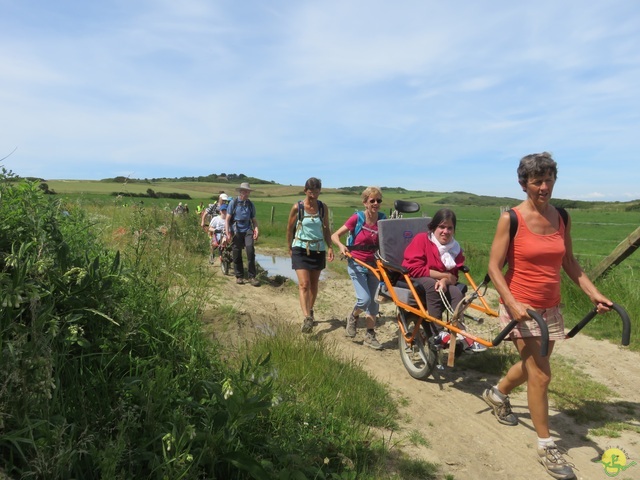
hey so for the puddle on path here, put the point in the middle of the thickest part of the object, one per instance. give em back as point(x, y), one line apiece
point(277, 265)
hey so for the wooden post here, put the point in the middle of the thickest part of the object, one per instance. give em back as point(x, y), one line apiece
point(273, 213)
point(452, 349)
point(622, 251)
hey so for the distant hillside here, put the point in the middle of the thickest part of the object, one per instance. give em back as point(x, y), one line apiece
point(211, 178)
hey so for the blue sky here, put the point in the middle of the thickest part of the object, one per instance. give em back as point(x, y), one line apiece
point(428, 95)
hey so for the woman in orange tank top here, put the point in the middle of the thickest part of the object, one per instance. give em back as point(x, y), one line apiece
point(541, 247)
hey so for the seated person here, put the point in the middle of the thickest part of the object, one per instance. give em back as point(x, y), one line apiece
point(433, 259)
point(216, 231)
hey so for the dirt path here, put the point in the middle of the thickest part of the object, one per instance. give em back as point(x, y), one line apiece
point(469, 444)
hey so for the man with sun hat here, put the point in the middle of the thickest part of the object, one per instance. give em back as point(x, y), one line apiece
point(242, 227)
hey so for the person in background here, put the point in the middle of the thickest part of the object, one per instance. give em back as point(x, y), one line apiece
point(309, 240)
point(242, 228)
point(212, 210)
point(540, 248)
point(199, 209)
point(216, 231)
point(433, 259)
point(179, 210)
point(363, 229)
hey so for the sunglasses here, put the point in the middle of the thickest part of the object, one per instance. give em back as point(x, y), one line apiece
point(375, 200)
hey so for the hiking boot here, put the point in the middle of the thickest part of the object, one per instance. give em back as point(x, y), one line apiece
point(553, 461)
point(307, 325)
point(351, 325)
point(502, 410)
point(254, 281)
point(371, 341)
point(240, 281)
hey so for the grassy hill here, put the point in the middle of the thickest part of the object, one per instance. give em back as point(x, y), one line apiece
point(206, 191)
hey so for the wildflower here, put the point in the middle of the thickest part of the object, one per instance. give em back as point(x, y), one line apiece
point(227, 391)
point(167, 440)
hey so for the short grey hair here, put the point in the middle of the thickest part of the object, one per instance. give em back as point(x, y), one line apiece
point(536, 165)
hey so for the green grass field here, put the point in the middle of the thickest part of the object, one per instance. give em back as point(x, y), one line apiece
point(596, 231)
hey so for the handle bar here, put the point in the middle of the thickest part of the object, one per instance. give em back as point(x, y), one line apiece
point(544, 331)
point(626, 323)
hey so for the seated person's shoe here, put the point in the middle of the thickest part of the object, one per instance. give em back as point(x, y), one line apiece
point(477, 347)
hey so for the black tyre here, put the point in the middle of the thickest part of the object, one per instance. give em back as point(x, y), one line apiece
point(420, 358)
point(224, 265)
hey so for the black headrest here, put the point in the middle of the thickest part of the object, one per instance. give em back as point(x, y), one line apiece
point(404, 206)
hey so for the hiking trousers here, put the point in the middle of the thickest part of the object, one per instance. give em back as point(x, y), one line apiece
point(365, 284)
point(243, 240)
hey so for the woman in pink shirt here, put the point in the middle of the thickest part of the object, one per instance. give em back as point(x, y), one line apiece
point(363, 230)
point(540, 248)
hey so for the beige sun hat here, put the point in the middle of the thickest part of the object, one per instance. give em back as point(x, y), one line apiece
point(245, 186)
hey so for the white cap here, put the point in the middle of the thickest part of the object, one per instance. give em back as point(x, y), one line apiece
point(223, 196)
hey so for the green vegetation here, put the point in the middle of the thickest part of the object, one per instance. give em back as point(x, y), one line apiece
point(107, 372)
point(596, 231)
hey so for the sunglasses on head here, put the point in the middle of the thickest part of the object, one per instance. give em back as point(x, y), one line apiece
point(375, 200)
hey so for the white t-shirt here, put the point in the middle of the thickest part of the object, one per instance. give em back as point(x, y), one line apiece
point(217, 223)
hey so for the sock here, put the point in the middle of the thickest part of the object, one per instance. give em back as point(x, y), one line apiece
point(497, 394)
point(545, 442)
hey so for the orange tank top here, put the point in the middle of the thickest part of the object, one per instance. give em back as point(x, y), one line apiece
point(534, 265)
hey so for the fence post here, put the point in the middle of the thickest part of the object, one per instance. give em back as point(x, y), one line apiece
point(622, 251)
point(273, 213)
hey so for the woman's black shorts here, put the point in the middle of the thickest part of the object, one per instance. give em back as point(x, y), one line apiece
point(314, 261)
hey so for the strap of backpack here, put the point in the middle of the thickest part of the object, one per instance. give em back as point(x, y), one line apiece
point(513, 221)
point(358, 228)
point(299, 225)
point(513, 225)
point(565, 216)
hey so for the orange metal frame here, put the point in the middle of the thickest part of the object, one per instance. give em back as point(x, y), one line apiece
point(380, 271)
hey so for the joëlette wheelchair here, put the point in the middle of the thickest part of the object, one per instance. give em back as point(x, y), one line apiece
point(417, 341)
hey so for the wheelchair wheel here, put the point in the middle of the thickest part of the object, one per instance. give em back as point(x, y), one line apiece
point(419, 358)
point(224, 266)
point(225, 261)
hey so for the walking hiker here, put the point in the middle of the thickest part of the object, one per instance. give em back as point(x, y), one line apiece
point(362, 244)
point(242, 228)
point(212, 210)
point(536, 243)
point(309, 240)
